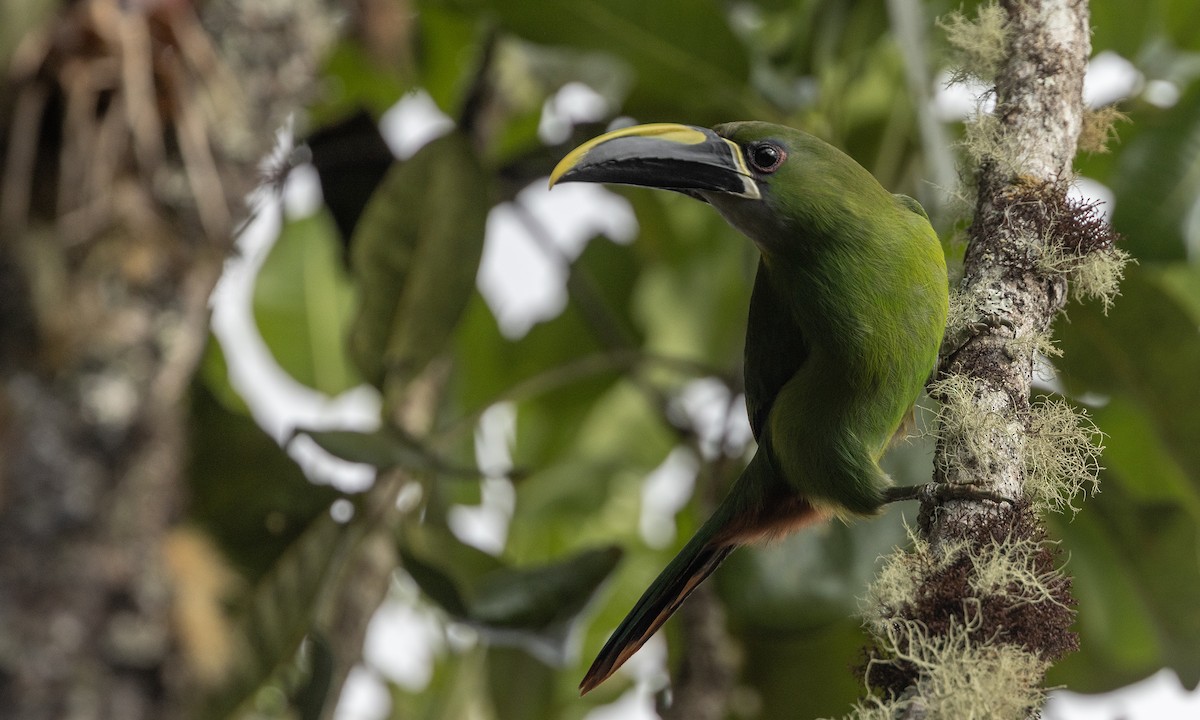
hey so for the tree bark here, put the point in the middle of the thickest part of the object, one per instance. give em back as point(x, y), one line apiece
point(1039, 108)
point(131, 134)
point(967, 623)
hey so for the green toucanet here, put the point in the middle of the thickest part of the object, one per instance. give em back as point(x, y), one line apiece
point(846, 318)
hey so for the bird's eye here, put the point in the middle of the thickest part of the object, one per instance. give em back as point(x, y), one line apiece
point(767, 157)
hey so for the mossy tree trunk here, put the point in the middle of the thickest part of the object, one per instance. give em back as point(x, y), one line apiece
point(130, 135)
point(967, 624)
point(1039, 114)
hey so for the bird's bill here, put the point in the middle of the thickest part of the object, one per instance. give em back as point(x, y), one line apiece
point(661, 155)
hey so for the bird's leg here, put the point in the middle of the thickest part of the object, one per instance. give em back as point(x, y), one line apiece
point(939, 493)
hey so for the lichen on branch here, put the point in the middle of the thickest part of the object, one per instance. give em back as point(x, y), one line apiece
point(967, 629)
point(967, 621)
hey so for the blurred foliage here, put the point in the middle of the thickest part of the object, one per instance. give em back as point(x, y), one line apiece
point(529, 608)
point(303, 297)
point(596, 389)
point(414, 256)
point(245, 491)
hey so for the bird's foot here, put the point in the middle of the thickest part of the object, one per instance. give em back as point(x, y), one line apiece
point(938, 493)
point(990, 322)
point(986, 323)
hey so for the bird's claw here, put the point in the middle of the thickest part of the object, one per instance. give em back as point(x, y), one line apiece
point(990, 322)
point(972, 330)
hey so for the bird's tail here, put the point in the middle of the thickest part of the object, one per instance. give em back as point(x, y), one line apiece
point(691, 566)
point(757, 509)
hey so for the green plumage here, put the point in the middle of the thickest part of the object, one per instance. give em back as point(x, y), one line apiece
point(846, 319)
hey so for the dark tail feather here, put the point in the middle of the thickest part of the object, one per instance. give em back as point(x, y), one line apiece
point(690, 567)
point(757, 508)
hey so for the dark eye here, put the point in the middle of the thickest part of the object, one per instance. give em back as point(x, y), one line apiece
point(767, 157)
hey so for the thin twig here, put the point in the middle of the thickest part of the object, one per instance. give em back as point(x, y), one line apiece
point(602, 321)
point(24, 135)
point(908, 25)
point(573, 372)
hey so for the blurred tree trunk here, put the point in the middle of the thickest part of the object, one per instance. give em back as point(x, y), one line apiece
point(130, 134)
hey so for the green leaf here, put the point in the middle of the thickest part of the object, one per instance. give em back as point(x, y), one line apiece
point(214, 373)
point(1178, 16)
point(450, 52)
point(597, 319)
point(1128, 28)
point(1137, 456)
point(687, 63)
point(1137, 580)
point(593, 492)
point(356, 80)
point(279, 612)
point(1133, 549)
point(528, 607)
point(244, 489)
point(303, 300)
point(383, 449)
point(438, 586)
point(1120, 27)
point(694, 292)
point(441, 698)
point(561, 366)
point(803, 674)
point(1116, 632)
point(1182, 281)
point(414, 256)
point(604, 275)
point(1149, 364)
point(541, 597)
point(521, 686)
point(311, 698)
point(1164, 540)
point(490, 367)
point(1157, 180)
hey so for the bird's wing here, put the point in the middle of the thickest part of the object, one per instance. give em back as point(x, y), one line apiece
point(775, 350)
point(911, 204)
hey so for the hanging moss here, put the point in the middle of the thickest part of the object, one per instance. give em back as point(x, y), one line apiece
point(978, 46)
point(966, 629)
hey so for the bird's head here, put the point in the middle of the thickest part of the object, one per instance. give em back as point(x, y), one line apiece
point(775, 184)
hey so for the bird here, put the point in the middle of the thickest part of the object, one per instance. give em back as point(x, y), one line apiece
point(847, 315)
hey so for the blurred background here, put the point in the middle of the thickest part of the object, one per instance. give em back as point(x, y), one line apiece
point(448, 425)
